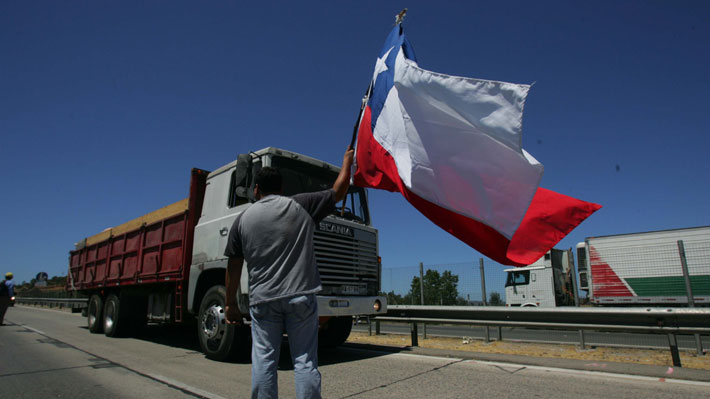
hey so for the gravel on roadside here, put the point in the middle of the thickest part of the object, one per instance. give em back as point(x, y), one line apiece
point(655, 357)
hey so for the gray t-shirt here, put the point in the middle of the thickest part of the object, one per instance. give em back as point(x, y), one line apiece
point(275, 237)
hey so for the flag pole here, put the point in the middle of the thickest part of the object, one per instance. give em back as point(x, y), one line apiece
point(397, 21)
point(356, 128)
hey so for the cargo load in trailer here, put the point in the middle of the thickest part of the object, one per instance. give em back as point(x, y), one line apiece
point(169, 265)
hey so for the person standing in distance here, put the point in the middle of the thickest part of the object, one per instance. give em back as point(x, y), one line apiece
point(7, 291)
point(275, 237)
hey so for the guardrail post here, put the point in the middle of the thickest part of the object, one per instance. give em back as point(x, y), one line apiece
point(582, 344)
point(689, 292)
point(674, 349)
point(377, 327)
point(369, 326)
point(415, 334)
point(575, 289)
point(486, 334)
point(500, 334)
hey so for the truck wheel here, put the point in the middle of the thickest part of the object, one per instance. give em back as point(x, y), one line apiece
point(95, 314)
point(113, 316)
point(335, 331)
point(219, 340)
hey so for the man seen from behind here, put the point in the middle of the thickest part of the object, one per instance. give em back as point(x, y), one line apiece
point(275, 237)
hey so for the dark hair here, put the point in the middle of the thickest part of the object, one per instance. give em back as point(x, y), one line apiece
point(269, 180)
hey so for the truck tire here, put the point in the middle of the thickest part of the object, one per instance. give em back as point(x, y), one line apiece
point(335, 331)
point(95, 314)
point(114, 317)
point(219, 340)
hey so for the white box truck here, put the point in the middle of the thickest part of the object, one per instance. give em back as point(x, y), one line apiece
point(637, 269)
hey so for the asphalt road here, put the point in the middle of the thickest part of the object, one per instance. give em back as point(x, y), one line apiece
point(51, 354)
point(592, 338)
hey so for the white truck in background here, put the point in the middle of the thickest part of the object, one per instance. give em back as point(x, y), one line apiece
point(637, 269)
point(545, 283)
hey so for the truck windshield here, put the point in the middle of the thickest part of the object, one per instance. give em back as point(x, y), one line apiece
point(517, 278)
point(301, 177)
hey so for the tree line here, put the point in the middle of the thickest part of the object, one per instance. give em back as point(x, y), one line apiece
point(439, 289)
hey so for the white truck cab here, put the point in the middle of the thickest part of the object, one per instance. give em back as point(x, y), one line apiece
point(346, 244)
point(545, 283)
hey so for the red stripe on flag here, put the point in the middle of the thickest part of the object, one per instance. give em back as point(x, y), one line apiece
point(375, 166)
point(550, 217)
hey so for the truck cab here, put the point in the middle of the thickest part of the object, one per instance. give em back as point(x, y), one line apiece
point(346, 244)
point(545, 283)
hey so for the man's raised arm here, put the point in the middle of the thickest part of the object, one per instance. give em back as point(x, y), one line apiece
point(342, 183)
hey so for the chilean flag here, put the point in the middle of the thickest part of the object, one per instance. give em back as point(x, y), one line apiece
point(453, 147)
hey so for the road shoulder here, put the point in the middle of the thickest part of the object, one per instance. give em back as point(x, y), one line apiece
point(662, 372)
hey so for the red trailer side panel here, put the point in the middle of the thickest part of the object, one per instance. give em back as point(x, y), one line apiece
point(157, 252)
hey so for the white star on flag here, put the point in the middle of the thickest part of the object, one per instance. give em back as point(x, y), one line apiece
point(380, 66)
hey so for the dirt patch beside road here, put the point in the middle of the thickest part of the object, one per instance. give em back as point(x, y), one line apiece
point(600, 354)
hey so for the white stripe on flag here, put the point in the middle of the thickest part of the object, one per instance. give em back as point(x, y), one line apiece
point(456, 143)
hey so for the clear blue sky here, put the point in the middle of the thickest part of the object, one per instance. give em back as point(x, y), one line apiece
point(105, 106)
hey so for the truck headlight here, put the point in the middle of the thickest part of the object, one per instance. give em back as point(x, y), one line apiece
point(377, 305)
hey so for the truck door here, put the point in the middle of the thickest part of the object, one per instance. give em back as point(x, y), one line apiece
point(517, 287)
point(239, 194)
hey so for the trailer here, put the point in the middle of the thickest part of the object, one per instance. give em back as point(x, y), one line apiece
point(647, 268)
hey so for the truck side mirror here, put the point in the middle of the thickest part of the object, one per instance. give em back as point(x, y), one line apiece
point(243, 177)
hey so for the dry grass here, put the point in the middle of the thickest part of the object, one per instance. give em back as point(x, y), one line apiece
point(599, 354)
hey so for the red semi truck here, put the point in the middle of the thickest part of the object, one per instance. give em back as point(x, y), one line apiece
point(168, 265)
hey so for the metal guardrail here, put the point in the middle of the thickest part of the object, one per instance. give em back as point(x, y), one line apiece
point(670, 321)
point(72, 303)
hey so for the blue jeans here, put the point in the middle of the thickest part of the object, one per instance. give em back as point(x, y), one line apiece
point(298, 316)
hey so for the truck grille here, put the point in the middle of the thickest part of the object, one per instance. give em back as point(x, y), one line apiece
point(347, 264)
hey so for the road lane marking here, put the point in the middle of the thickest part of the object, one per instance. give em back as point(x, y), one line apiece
point(594, 373)
point(35, 330)
point(185, 387)
point(447, 359)
point(63, 310)
point(416, 356)
point(177, 385)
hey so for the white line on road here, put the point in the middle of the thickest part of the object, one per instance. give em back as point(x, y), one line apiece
point(596, 373)
point(448, 359)
point(156, 377)
point(453, 359)
point(33, 329)
point(185, 387)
